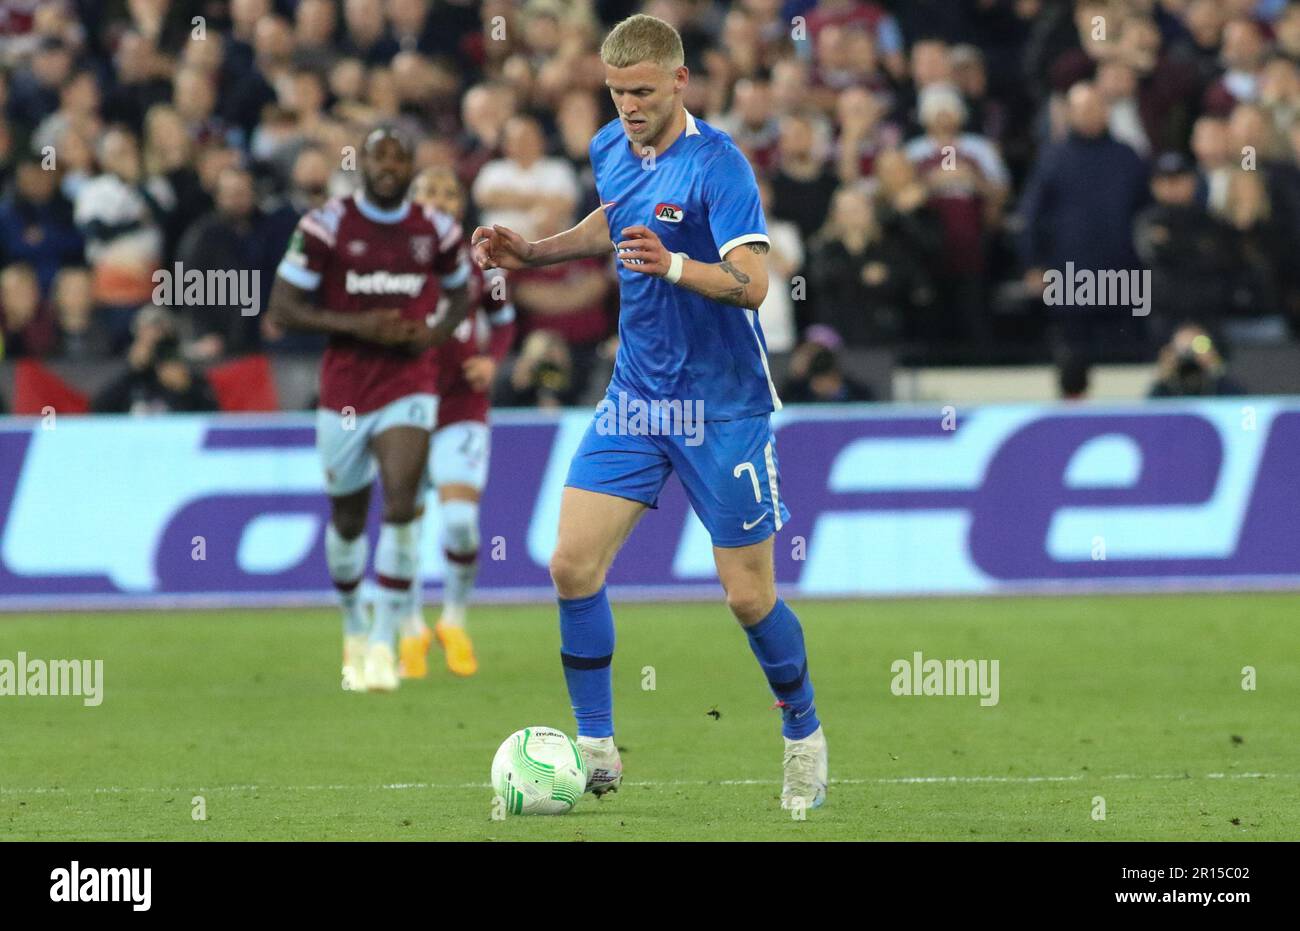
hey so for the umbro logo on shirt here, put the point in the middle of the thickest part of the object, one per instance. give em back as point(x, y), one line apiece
point(669, 213)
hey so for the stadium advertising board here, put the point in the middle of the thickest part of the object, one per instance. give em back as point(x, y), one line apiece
point(104, 511)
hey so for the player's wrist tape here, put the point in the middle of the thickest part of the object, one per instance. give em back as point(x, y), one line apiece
point(675, 266)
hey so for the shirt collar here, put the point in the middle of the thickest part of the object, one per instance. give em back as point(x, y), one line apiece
point(377, 214)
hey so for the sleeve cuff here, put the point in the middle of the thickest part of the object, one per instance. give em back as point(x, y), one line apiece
point(299, 277)
point(457, 278)
point(741, 240)
point(503, 316)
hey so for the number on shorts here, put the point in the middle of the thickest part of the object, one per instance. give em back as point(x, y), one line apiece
point(753, 477)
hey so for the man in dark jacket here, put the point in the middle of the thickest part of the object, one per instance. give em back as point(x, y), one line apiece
point(1078, 206)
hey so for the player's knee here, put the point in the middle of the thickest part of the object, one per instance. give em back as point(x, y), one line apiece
point(350, 523)
point(749, 603)
point(575, 575)
point(400, 508)
point(460, 526)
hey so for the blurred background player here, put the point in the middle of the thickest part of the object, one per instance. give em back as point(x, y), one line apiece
point(369, 270)
point(458, 458)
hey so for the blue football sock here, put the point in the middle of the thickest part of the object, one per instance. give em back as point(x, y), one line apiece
point(777, 642)
point(586, 649)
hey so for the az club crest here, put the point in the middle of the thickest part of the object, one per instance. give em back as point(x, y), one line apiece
point(669, 213)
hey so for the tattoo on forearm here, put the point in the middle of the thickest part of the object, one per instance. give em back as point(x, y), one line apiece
point(734, 272)
point(758, 248)
point(734, 295)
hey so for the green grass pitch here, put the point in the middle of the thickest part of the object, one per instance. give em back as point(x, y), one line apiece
point(1137, 700)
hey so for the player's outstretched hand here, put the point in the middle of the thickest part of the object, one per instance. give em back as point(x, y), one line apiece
point(642, 251)
point(499, 247)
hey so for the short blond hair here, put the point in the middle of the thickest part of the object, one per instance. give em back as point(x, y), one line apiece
point(642, 38)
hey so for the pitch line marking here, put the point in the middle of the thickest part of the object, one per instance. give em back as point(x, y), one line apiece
point(893, 780)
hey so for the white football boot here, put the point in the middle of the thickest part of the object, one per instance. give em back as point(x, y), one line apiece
point(354, 662)
point(806, 771)
point(604, 768)
point(381, 669)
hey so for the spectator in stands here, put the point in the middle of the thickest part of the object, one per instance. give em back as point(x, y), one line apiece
point(1117, 85)
point(986, 115)
point(1279, 93)
point(194, 96)
point(315, 24)
point(1214, 161)
point(903, 211)
point(121, 213)
point(930, 65)
point(1189, 365)
point(251, 89)
point(484, 111)
point(864, 286)
point(868, 17)
point(82, 336)
point(169, 154)
point(1198, 45)
point(36, 223)
point(29, 328)
point(752, 121)
point(1269, 202)
point(79, 106)
point(864, 133)
point(235, 236)
point(240, 57)
point(844, 58)
point(365, 32)
point(1193, 257)
point(1287, 32)
point(815, 375)
point(578, 121)
point(1243, 53)
point(1265, 246)
point(516, 190)
point(1079, 206)
point(34, 91)
point(142, 81)
point(968, 186)
point(803, 183)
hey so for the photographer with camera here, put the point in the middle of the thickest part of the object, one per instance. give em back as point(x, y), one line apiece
point(1190, 366)
point(157, 379)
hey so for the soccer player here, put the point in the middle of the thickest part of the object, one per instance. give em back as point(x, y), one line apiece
point(368, 270)
point(680, 206)
point(458, 459)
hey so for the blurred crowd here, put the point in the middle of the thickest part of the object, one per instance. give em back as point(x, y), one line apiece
point(924, 165)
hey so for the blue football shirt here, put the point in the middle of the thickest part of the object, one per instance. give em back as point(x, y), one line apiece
point(700, 198)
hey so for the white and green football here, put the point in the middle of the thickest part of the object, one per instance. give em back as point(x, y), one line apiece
point(538, 771)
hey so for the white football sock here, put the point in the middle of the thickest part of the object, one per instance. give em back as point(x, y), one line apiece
point(395, 563)
point(346, 560)
point(413, 624)
point(460, 550)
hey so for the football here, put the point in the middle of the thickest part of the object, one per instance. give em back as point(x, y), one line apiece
point(538, 771)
